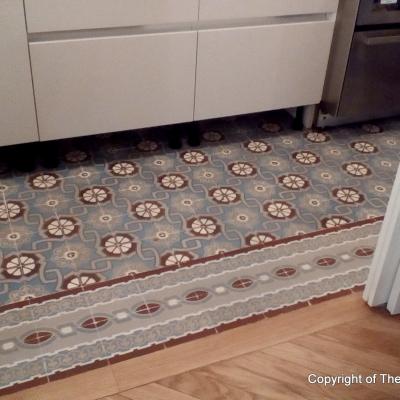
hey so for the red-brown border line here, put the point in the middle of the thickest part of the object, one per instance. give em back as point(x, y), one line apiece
point(192, 263)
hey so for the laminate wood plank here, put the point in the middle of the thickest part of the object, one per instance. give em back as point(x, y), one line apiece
point(366, 338)
point(291, 357)
point(232, 343)
point(281, 371)
point(207, 387)
point(249, 373)
point(332, 348)
point(381, 320)
point(89, 385)
point(155, 391)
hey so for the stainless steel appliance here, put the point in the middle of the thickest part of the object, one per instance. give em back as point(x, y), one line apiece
point(363, 79)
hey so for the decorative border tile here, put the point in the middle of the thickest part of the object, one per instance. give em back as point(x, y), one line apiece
point(127, 319)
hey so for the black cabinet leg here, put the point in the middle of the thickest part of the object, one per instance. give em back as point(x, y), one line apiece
point(5, 160)
point(193, 132)
point(49, 155)
point(174, 137)
point(24, 157)
point(298, 120)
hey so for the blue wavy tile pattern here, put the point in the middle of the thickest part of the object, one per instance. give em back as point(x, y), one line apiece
point(125, 203)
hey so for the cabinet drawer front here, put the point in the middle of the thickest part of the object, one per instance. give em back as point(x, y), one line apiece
point(245, 70)
point(230, 9)
point(65, 15)
point(109, 84)
point(17, 106)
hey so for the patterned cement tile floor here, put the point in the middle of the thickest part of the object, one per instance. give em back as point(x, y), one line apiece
point(125, 203)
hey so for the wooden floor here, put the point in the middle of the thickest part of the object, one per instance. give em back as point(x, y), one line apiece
point(270, 359)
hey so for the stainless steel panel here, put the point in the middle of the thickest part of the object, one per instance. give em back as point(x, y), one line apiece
point(372, 83)
point(374, 12)
point(341, 44)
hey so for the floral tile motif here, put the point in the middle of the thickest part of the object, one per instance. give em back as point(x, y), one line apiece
point(125, 203)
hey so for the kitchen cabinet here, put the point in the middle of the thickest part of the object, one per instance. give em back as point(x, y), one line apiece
point(104, 84)
point(17, 109)
point(258, 55)
point(257, 68)
point(68, 15)
point(110, 65)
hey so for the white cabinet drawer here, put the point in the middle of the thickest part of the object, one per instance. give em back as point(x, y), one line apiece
point(231, 9)
point(65, 15)
point(17, 106)
point(106, 84)
point(250, 69)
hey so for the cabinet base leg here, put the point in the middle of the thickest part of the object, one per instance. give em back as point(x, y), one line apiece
point(298, 120)
point(174, 137)
point(310, 116)
point(23, 157)
point(194, 139)
point(6, 161)
point(49, 157)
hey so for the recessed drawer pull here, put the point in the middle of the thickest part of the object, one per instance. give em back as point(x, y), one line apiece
point(173, 28)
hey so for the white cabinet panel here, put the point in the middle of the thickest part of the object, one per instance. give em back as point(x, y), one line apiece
point(251, 69)
point(230, 9)
point(64, 15)
point(17, 107)
point(95, 85)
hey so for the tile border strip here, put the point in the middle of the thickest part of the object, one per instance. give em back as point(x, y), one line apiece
point(214, 319)
point(185, 275)
point(193, 263)
point(174, 342)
